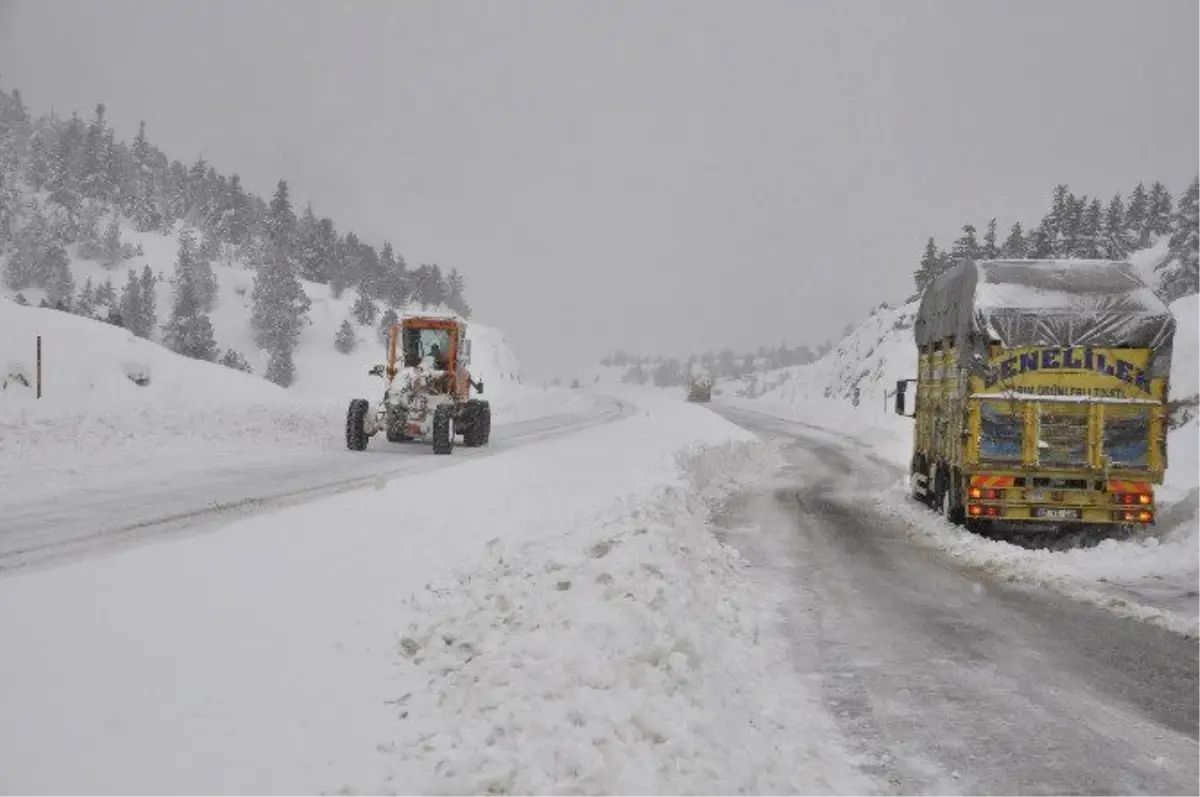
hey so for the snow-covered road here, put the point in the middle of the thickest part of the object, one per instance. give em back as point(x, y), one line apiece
point(947, 681)
point(175, 495)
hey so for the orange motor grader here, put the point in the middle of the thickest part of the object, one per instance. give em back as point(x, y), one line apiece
point(427, 387)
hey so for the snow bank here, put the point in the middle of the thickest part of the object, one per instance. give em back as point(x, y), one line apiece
point(268, 657)
point(634, 654)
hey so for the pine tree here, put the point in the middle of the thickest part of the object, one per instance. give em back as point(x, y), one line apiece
point(131, 306)
point(456, 299)
point(1091, 231)
point(345, 341)
point(1115, 243)
point(1136, 217)
point(929, 268)
point(188, 266)
point(112, 253)
point(386, 322)
point(94, 179)
point(281, 369)
point(148, 318)
point(37, 172)
point(1181, 274)
point(280, 311)
point(232, 358)
point(1160, 213)
point(967, 246)
point(311, 258)
point(85, 305)
point(990, 250)
point(1014, 247)
point(281, 223)
point(1040, 243)
point(60, 284)
point(106, 294)
point(189, 332)
point(364, 310)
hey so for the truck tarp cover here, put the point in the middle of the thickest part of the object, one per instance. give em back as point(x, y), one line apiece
point(1046, 303)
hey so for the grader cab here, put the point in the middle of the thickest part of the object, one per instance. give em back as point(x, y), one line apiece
point(427, 390)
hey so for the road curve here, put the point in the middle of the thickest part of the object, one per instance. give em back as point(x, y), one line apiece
point(85, 523)
point(944, 681)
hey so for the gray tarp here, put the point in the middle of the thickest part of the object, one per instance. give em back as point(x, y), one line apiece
point(1100, 303)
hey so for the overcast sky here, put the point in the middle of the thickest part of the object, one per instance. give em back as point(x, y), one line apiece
point(664, 177)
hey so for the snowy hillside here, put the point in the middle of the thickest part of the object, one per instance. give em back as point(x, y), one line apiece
point(320, 369)
point(870, 359)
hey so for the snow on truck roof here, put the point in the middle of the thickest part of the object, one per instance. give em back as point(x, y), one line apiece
point(1044, 303)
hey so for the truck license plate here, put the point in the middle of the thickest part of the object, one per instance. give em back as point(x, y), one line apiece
point(1060, 514)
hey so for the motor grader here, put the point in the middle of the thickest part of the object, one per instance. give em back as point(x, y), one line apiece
point(427, 387)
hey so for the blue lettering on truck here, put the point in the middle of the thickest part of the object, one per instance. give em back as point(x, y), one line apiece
point(1069, 359)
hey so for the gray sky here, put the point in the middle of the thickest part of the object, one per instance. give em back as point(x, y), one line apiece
point(660, 176)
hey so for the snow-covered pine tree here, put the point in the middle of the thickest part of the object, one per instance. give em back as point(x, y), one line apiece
point(392, 275)
point(131, 305)
point(1040, 243)
point(111, 251)
point(1090, 243)
point(281, 368)
point(308, 261)
point(1181, 273)
point(1160, 212)
point(967, 245)
point(928, 268)
point(345, 340)
point(85, 305)
point(456, 298)
point(990, 250)
point(1137, 215)
point(196, 270)
point(148, 319)
point(60, 284)
point(232, 358)
point(280, 311)
point(386, 322)
point(189, 332)
point(364, 310)
point(1014, 247)
point(1115, 241)
point(280, 224)
point(106, 294)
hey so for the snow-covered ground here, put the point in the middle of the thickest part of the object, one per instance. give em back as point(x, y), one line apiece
point(96, 428)
point(1154, 576)
point(451, 630)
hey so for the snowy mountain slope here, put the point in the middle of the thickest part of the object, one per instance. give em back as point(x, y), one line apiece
point(870, 359)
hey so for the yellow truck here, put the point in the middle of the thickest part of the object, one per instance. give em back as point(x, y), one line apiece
point(1041, 394)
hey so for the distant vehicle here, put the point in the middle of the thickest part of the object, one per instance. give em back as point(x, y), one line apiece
point(1041, 394)
point(427, 390)
point(575, 384)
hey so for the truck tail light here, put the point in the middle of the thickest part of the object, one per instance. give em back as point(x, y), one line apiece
point(1134, 499)
point(986, 493)
point(1134, 516)
point(979, 510)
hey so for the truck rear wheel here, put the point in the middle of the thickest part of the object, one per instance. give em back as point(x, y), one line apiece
point(478, 424)
point(356, 433)
point(443, 429)
point(951, 498)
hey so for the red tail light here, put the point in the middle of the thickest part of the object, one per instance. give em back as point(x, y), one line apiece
point(1144, 499)
point(978, 510)
point(986, 493)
